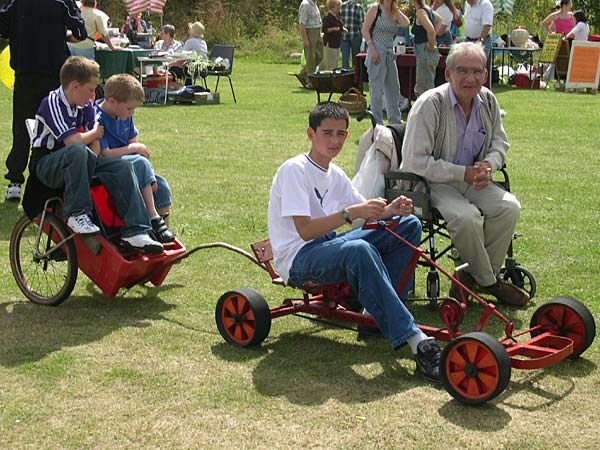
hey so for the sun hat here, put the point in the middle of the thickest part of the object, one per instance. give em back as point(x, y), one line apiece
point(197, 29)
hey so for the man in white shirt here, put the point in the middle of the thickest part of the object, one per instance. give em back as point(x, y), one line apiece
point(479, 18)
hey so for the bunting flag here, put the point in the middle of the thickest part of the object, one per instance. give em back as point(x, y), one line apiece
point(140, 6)
point(156, 6)
point(504, 6)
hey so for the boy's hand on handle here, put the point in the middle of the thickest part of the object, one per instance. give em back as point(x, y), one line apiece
point(401, 206)
point(370, 210)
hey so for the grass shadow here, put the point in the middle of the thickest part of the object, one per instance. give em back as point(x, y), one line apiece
point(30, 332)
point(310, 370)
point(10, 213)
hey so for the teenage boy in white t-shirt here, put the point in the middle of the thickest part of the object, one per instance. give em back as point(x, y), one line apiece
point(310, 198)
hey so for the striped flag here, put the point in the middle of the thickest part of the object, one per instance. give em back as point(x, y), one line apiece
point(140, 6)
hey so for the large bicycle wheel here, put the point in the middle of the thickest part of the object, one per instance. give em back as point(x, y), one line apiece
point(45, 272)
point(243, 317)
point(568, 317)
point(475, 368)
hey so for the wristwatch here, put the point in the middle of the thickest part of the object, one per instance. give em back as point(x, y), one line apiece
point(346, 216)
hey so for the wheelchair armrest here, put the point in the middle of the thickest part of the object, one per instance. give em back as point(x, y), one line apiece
point(421, 198)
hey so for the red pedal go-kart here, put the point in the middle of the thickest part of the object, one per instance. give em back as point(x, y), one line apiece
point(475, 367)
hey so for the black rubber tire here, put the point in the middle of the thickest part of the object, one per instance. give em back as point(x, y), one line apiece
point(523, 279)
point(243, 317)
point(44, 280)
point(475, 368)
point(566, 316)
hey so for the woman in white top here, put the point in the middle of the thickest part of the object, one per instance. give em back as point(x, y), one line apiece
point(447, 11)
point(167, 43)
point(581, 31)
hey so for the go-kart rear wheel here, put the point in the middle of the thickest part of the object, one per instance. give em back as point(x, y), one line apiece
point(568, 317)
point(46, 274)
point(243, 317)
point(475, 368)
point(520, 277)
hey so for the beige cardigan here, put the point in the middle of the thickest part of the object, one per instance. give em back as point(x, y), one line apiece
point(430, 140)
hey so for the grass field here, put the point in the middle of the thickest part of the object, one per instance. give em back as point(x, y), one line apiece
point(148, 369)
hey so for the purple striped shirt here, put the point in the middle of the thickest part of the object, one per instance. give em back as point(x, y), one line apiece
point(56, 119)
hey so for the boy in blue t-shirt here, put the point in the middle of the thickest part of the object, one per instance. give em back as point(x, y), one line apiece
point(65, 148)
point(123, 93)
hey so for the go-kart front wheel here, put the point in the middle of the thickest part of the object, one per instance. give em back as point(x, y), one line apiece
point(568, 317)
point(243, 317)
point(475, 368)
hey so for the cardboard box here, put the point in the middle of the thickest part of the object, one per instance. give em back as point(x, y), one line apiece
point(206, 98)
point(523, 81)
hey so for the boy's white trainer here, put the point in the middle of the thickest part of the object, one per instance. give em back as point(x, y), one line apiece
point(13, 191)
point(82, 224)
point(142, 243)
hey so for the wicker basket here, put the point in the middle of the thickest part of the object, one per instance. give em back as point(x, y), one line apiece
point(353, 101)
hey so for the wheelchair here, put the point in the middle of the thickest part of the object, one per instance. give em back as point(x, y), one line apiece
point(45, 255)
point(433, 223)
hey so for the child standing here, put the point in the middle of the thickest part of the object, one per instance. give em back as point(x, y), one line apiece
point(310, 198)
point(64, 156)
point(123, 93)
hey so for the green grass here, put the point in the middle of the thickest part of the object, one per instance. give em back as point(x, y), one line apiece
point(148, 369)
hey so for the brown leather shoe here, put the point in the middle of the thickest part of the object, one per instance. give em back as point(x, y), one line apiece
point(507, 293)
point(465, 278)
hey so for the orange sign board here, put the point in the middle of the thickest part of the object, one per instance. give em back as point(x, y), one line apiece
point(584, 65)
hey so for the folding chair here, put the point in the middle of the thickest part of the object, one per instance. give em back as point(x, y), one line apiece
point(225, 52)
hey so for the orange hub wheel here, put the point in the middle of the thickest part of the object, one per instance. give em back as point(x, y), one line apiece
point(475, 368)
point(243, 317)
point(568, 317)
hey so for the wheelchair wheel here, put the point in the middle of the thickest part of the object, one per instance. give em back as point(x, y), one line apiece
point(520, 277)
point(568, 317)
point(475, 368)
point(243, 317)
point(45, 272)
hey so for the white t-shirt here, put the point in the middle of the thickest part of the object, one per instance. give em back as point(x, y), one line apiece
point(446, 15)
point(303, 188)
point(580, 32)
point(477, 16)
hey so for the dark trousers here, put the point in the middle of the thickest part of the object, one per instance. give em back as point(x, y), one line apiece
point(30, 90)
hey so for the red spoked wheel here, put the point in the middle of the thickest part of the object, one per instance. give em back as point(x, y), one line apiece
point(243, 317)
point(475, 368)
point(568, 317)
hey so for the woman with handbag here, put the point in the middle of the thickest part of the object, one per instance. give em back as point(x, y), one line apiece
point(379, 28)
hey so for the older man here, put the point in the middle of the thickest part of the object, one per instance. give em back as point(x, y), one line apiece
point(309, 24)
point(455, 139)
point(479, 18)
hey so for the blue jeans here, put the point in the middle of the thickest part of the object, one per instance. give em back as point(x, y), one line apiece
point(71, 168)
point(427, 62)
point(372, 262)
point(350, 47)
point(145, 176)
point(383, 79)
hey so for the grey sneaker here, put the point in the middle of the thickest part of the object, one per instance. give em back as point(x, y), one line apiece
point(428, 359)
point(142, 243)
point(13, 192)
point(82, 224)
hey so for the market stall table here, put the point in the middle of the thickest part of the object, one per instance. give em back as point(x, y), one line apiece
point(119, 61)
